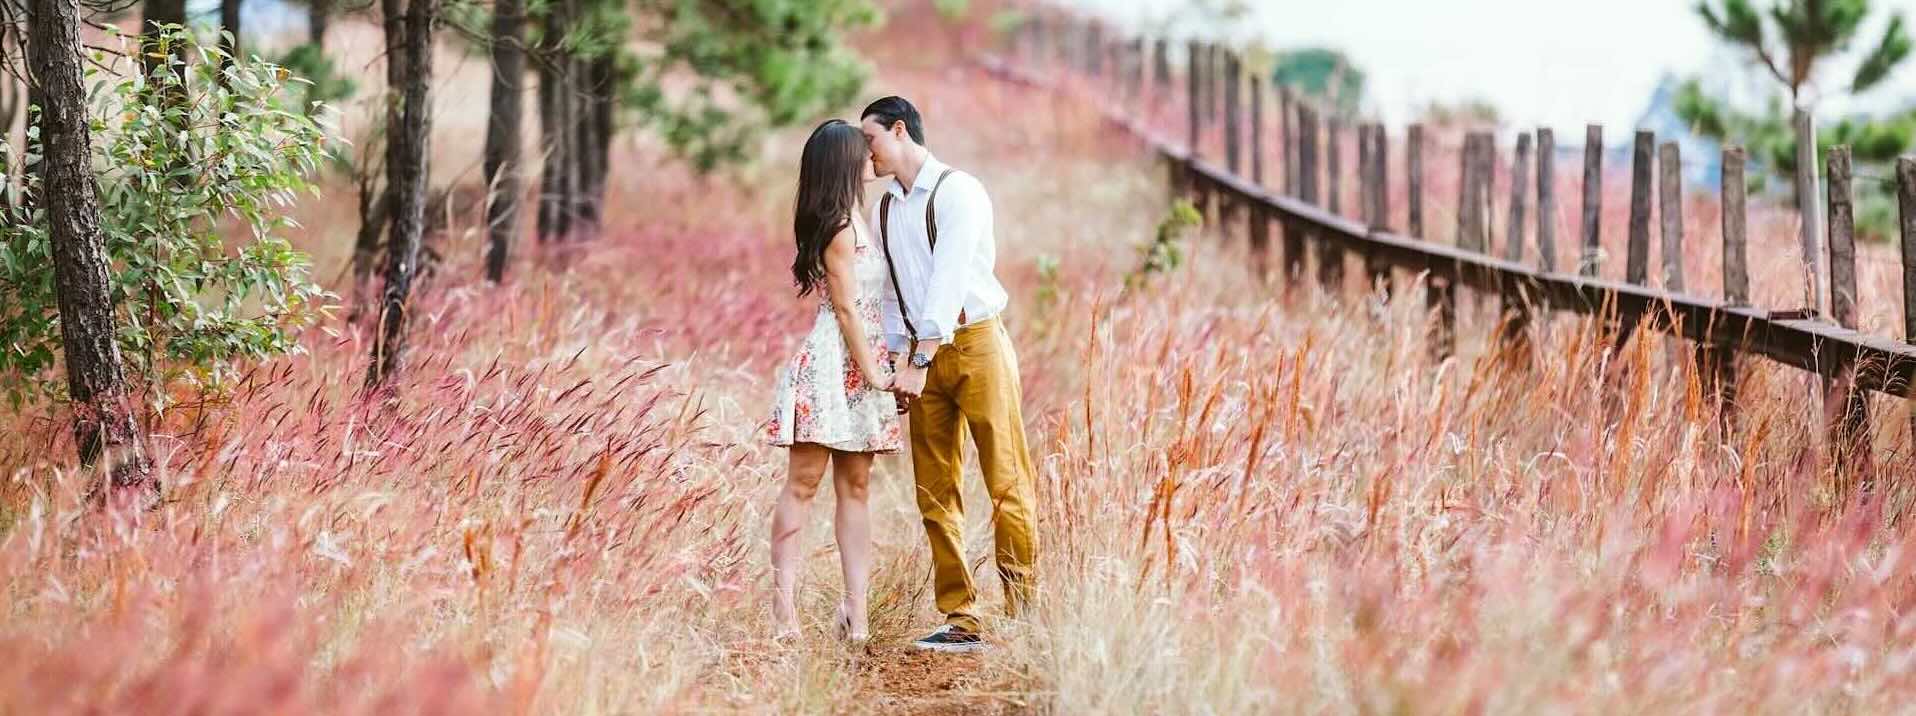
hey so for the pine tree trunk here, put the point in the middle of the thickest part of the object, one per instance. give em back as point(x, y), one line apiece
point(602, 116)
point(551, 134)
point(409, 25)
point(375, 213)
point(585, 150)
point(548, 183)
point(318, 15)
point(502, 134)
point(103, 415)
point(563, 156)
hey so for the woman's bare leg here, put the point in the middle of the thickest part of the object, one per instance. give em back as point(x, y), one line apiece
point(851, 484)
point(807, 470)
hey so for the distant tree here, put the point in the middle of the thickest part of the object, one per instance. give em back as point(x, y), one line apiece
point(104, 421)
point(1323, 73)
point(502, 160)
point(409, 32)
point(709, 77)
point(1472, 112)
point(230, 25)
point(1806, 33)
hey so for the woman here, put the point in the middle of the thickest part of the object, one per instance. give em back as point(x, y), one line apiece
point(832, 404)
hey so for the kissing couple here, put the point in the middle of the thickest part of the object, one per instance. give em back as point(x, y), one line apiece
point(907, 324)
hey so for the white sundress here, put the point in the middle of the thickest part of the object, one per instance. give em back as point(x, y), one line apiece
point(820, 396)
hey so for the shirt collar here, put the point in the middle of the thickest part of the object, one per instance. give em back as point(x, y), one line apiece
point(927, 176)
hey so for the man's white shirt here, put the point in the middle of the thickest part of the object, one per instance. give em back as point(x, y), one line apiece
point(957, 275)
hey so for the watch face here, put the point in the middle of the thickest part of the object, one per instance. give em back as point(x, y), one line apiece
point(920, 360)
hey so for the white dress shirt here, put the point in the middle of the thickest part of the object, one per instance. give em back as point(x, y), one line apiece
point(957, 275)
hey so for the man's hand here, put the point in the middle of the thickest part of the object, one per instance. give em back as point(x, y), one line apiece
point(910, 382)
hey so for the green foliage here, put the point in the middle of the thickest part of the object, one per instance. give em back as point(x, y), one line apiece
point(952, 10)
point(1474, 111)
point(1165, 252)
point(189, 301)
point(737, 69)
point(1322, 73)
point(320, 82)
point(1809, 30)
point(1770, 139)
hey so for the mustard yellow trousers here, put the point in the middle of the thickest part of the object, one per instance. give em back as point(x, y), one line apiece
point(973, 384)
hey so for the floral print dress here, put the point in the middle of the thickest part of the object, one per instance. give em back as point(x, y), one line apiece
point(821, 397)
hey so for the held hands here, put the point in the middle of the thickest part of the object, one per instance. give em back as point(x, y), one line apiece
point(908, 384)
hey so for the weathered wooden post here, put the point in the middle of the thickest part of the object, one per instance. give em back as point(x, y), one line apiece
point(1378, 209)
point(1670, 213)
point(1294, 238)
point(1414, 181)
point(1229, 207)
point(1519, 192)
point(1847, 404)
point(1592, 261)
point(1333, 169)
point(1260, 233)
point(1906, 211)
point(1736, 281)
point(1194, 75)
point(1472, 231)
point(1516, 308)
point(1233, 116)
point(1161, 66)
point(1546, 199)
point(1257, 132)
point(1636, 268)
point(1286, 131)
point(1330, 264)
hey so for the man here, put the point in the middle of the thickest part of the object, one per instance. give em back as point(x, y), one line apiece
point(956, 366)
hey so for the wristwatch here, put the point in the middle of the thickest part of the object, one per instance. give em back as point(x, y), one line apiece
point(920, 361)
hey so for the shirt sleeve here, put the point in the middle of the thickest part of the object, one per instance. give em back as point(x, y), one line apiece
point(890, 317)
point(964, 223)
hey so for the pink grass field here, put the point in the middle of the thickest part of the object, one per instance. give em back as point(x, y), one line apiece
point(1256, 497)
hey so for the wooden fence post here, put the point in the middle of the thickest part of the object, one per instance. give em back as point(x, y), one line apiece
point(1472, 230)
point(1546, 199)
point(1592, 261)
point(1516, 307)
point(1286, 135)
point(1363, 173)
point(1906, 212)
point(1736, 282)
point(1670, 213)
point(1414, 181)
point(1333, 171)
point(1849, 406)
point(1294, 243)
point(1194, 76)
point(1636, 268)
point(1161, 64)
point(1379, 208)
point(1257, 132)
point(1260, 234)
point(1330, 254)
point(1514, 231)
point(1232, 116)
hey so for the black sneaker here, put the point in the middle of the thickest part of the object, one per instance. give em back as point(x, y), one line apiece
point(951, 640)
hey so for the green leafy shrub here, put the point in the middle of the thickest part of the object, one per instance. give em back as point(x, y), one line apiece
point(191, 188)
point(1165, 251)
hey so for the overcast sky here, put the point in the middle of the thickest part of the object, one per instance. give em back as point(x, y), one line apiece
point(1559, 63)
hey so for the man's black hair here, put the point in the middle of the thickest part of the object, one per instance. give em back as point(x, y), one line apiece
point(894, 109)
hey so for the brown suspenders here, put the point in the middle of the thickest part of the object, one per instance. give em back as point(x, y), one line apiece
point(931, 233)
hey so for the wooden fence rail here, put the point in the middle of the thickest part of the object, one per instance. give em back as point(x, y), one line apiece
point(1849, 361)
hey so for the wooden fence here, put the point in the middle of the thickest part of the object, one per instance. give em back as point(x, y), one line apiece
point(1073, 52)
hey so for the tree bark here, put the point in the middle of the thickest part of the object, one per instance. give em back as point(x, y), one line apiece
point(104, 422)
point(319, 15)
point(502, 163)
point(409, 25)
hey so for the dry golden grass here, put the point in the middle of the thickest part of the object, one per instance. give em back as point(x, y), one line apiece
point(1256, 498)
